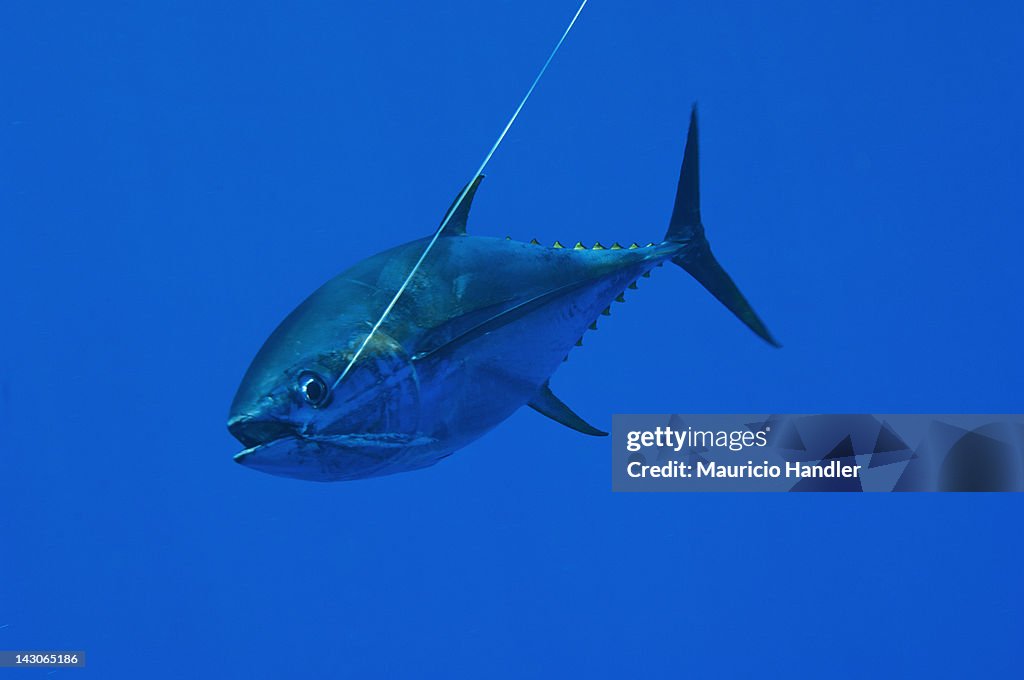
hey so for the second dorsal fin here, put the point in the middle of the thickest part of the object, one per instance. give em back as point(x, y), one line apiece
point(457, 224)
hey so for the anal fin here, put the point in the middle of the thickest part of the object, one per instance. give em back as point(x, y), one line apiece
point(546, 403)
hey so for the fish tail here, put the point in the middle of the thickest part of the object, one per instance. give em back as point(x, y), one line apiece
point(695, 256)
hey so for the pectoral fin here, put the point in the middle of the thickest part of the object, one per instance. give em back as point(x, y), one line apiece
point(444, 341)
point(546, 403)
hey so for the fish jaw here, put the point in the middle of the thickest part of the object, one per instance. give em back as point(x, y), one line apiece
point(341, 457)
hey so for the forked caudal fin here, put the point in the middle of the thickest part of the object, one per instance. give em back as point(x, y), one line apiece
point(696, 257)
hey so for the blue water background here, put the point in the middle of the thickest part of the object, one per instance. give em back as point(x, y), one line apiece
point(176, 177)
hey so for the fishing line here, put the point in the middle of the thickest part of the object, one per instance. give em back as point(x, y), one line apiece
point(458, 201)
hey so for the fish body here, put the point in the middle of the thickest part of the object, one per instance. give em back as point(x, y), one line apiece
point(477, 334)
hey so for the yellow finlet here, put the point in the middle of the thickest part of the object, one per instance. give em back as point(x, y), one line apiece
point(593, 326)
point(598, 246)
point(607, 311)
point(616, 246)
point(534, 242)
point(620, 298)
point(579, 246)
point(632, 285)
point(633, 246)
point(558, 244)
point(579, 343)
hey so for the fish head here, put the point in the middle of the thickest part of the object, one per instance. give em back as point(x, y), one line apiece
point(296, 418)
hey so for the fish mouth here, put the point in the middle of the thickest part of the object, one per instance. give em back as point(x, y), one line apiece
point(261, 434)
point(329, 458)
point(255, 432)
point(265, 435)
point(272, 452)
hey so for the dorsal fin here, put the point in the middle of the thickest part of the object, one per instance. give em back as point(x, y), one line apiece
point(546, 403)
point(457, 224)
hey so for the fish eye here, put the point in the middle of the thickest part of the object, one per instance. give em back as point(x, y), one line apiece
point(313, 389)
